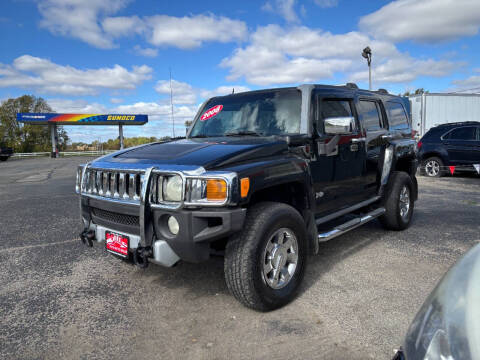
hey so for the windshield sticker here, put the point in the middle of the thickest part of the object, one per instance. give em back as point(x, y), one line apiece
point(211, 112)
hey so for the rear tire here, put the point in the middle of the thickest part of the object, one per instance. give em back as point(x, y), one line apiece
point(398, 202)
point(265, 263)
point(433, 167)
point(3, 158)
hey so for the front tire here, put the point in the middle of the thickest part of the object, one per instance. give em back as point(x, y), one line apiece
point(265, 263)
point(398, 202)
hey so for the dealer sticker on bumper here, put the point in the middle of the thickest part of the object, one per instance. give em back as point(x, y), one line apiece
point(116, 243)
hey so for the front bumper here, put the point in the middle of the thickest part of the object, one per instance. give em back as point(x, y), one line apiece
point(198, 228)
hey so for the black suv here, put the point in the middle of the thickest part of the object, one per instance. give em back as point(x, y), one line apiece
point(261, 178)
point(453, 144)
point(5, 152)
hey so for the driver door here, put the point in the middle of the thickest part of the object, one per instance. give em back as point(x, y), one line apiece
point(338, 175)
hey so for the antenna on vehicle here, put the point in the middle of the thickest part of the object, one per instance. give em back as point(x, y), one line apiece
point(171, 102)
point(233, 90)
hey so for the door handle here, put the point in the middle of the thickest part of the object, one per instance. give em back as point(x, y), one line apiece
point(387, 137)
point(357, 140)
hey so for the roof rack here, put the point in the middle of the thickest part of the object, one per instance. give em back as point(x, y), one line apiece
point(351, 85)
point(382, 91)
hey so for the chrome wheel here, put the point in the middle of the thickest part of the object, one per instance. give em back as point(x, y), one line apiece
point(432, 168)
point(404, 202)
point(280, 258)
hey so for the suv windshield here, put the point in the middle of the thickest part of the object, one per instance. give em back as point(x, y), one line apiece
point(255, 114)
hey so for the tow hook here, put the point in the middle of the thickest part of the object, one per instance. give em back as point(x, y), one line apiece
point(87, 237)
point(141, 255)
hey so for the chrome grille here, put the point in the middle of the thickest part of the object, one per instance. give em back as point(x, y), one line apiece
point(114, 184)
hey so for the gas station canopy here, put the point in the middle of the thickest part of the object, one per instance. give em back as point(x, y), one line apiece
point(81, 119)
point(53, 119)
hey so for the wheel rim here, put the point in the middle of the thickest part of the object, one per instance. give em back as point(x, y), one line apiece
point(404, 202)
point(280, 258)
point(432, 168)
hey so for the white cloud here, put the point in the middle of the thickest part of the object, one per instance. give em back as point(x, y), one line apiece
point(326, 3)
point(186, 94)
point(299, 54)
point(183, 93)
point(76, 106)
point(149, 52)
point(79, 19)
point(190, 32)
point(285, 8)
point(404, 69)
point(47, 77)
point(424, 21)
point(116, 100)
point(470, 83)
point(92, 21)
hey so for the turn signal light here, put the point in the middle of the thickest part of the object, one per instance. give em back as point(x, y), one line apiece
point(244, 187)
point(216, 190)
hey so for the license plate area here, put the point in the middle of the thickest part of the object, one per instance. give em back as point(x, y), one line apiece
point(117, 243)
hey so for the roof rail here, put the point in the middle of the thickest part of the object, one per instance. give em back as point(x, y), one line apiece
point(382, 91)
point(459, 123)
point(351, 85)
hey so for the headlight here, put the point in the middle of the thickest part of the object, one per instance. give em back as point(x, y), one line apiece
point(172, 188)
point(447, 326)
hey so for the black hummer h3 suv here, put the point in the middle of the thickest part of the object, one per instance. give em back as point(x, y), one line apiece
point(5, 152)
point(262, 177)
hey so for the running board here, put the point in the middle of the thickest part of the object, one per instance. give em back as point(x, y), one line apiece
point(350, 225)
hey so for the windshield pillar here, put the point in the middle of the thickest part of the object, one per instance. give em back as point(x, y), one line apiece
point(305, 123)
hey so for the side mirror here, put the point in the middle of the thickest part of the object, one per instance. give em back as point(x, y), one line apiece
point(339, 125)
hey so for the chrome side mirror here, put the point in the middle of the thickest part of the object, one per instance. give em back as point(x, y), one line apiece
point(339, 125)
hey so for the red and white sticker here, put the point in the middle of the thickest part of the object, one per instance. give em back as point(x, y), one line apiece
point(211, 112)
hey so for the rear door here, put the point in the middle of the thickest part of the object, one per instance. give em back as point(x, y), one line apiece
point(338, 177)
point(374, 124)
point(461, 144)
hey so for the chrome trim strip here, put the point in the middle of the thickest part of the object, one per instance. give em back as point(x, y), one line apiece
point(346, 211)
point(113, 200)
point(350, 225)
point(134, 240)
point(144, 205)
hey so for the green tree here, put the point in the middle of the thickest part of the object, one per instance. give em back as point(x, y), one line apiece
point(27, 137)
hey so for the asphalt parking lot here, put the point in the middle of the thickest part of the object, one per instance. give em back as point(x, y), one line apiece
point(60, 299)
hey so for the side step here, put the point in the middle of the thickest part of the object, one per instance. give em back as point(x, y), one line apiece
point(350, 225)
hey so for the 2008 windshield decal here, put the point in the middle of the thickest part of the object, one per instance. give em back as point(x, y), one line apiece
point(211, 112)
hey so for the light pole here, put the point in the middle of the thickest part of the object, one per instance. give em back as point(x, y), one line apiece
point(367, 54)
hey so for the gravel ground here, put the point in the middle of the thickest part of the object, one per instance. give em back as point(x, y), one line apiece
point(60, 299)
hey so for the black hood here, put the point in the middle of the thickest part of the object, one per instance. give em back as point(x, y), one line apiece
point(209, 153)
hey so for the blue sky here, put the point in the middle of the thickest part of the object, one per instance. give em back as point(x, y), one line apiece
point(114, 56)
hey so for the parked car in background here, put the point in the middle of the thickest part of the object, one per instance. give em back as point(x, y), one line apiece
point(5, 152)
point(454, 144)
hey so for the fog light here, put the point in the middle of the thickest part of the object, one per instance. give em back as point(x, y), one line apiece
point(173, 225)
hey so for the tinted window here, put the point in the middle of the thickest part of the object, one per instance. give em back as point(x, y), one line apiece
point(266, 113)
point(463, 133)
point(335, 108)
point(397, 117)
point(370, 115)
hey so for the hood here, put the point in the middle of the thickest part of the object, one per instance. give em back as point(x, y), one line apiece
point(208, 153)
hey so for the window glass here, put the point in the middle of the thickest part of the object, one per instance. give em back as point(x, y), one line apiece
point(370, 115)
point(397, 118)
point(266, 113)
point(335, 108)
point(463, 133)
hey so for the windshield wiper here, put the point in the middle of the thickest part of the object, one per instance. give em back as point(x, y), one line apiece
point(198, 136)
point(242, 133)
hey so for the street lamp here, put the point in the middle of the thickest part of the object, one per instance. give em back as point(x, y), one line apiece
point(367, 54)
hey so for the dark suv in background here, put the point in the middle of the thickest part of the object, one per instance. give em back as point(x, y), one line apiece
point(453, 144)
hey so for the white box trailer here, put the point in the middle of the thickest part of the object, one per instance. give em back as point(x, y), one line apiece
point(429, 110)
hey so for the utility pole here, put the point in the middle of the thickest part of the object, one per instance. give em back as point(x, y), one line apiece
point(367, 54)
point(171, 103)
